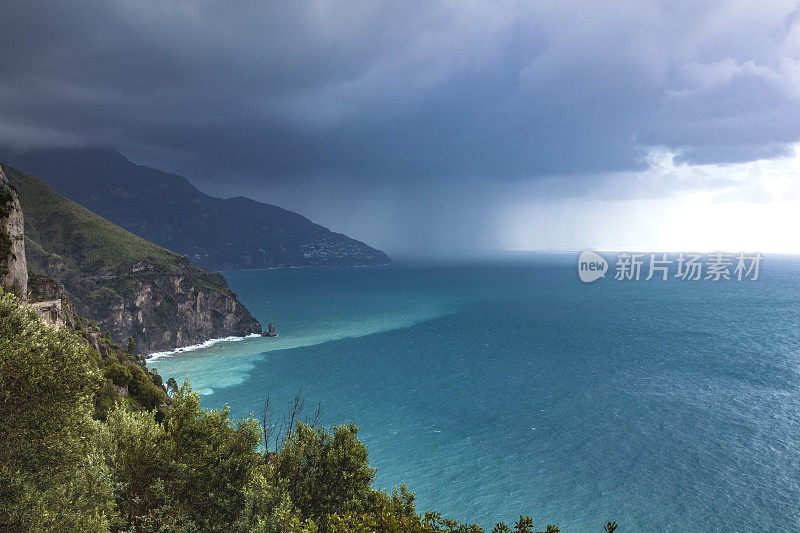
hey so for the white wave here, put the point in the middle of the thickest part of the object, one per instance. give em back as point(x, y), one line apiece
point(157, 355)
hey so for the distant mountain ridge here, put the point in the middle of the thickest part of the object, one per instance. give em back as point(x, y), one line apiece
point(219, 234)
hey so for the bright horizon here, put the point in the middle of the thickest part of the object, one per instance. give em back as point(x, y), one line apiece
point(747, 207)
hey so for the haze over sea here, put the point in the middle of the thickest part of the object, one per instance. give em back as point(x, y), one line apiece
point(504, 388)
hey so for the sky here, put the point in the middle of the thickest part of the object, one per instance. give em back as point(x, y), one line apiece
point(442, 128)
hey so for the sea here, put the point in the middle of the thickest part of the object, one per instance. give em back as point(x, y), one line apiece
point(508, 387)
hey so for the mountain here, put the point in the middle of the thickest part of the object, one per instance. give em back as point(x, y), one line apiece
point(219, 234)
point(128, 286)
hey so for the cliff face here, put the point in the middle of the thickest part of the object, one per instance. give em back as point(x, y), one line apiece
point(164, 310)
point(49, 298)
point(128, 286)
point(13, 267)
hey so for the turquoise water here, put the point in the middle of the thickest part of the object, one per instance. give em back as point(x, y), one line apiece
point(499, 389)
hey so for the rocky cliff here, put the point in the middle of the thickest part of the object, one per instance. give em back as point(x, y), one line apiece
point(13, 267)
point(162, 310)
point(128, 286)
point(49, 298)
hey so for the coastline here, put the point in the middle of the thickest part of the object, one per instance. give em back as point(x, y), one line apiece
point(290, 267)
point(155, 356)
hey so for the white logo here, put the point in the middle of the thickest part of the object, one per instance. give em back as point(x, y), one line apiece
point(591, 266)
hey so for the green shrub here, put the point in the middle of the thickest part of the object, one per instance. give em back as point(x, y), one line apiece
point(142, 389)
point(140, 458)
point(325, 472)
point(119, 374)
point(221, 461)
point(51, 474)
point(105, 399)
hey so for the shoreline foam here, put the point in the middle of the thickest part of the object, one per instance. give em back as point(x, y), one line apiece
point(155, 356)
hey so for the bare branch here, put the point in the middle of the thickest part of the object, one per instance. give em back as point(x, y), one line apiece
point(315, 420)
point(266, 422)
point(278, 433)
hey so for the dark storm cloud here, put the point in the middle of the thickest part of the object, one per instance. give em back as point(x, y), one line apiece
point(412, 90)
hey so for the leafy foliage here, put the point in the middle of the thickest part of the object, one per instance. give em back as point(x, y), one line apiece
point(325, 473)
point(51, 474)
point(219, 459)
point(119, 374)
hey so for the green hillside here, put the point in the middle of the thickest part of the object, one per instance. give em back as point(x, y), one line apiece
point(129, 286)
point(86, 241)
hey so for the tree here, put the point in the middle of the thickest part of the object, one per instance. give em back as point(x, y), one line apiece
point(172, 387)
point(278, 430)
point(119, 374)
point(51, 472)
point(142, 388)
point(220, 461)
point(140, 459)
point(131, 348)
point(325, 472)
